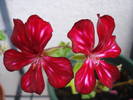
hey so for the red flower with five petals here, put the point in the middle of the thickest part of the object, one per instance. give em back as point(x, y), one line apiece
point(82, 37)
point(31, 38)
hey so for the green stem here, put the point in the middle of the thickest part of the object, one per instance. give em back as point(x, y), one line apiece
point(49, 51)
point(57, 47)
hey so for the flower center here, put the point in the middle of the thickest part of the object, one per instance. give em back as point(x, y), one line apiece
point(94, 58)
point(42, 54)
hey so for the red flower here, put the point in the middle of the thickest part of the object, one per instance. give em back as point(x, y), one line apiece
point(82, 37)
point(31, 38)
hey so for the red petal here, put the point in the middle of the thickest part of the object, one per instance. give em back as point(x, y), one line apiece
point(85, 80)
point(32, 81)
point(105, 27)
point(32, 36)
point(82, 36)
point(58, 70)
point(19, 38)
point(14, 60)
point(107, 73)
point(108, 49)
point(107, 46)
point(39, 32)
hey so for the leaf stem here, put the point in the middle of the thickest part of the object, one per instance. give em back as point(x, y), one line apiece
point(57, 47)
point(123, 83)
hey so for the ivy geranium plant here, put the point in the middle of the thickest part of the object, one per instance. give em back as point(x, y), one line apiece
point(30, 39)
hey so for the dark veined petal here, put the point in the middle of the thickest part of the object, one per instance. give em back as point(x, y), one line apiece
point(31, 36)
point(58, 70)
point(32, 81)
point(108, 49)
point(39, 32)
point(14, 60)
point(85, 80)
point(82, 36)
point(107, 73)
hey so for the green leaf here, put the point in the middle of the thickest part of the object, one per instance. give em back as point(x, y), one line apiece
point(62, 43)
point(105, 89)
point(2, 35)
point(62, 50)
point(102, 87)
point(77, 66)
point(88, 96)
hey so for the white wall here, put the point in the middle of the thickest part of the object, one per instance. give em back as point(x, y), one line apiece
point(63, 13)
point(2, 27)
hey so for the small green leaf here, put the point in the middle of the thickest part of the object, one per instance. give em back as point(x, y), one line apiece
point(66, 51)
point(102, 87)
point(106, 89)
point(88, 96)
point(2, 35)
point(62, 43)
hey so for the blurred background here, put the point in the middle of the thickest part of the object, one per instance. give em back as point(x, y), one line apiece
point(62, 14)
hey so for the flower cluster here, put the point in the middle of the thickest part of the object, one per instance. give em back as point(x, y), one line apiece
point(31, 37)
